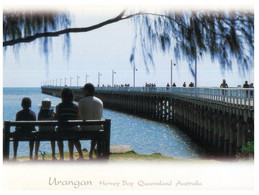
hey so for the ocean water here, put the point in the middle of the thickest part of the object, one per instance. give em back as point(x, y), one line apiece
point(145, 136)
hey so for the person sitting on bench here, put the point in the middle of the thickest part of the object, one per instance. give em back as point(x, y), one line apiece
point(46, 114)
point(24, 115)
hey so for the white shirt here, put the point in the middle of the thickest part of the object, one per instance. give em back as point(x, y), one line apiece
point(90, 108)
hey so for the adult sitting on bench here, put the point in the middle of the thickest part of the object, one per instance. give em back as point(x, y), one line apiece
point(90, 108)
point(65, 111)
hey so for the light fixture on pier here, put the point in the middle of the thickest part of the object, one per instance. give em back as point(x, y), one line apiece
point(99, 76)
point(172, 72)
point(77, 79)
point(86, 75)
point(71, 81)
point(113, 77)
point(65, 81)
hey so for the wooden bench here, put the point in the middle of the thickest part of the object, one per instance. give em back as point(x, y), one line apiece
point(102, 136)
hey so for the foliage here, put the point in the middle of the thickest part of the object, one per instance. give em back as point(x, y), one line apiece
point(18, 24)
point(43, 154)
point(226, 36)
point(246, 151)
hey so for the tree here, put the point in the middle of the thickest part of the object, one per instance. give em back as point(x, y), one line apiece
point(224, 35)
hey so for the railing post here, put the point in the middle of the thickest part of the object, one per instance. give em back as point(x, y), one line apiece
point(6, 140)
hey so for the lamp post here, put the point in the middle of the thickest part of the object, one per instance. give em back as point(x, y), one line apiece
point(56, 82)
point(113, 77)
point(134, 75)
point(86, 75)
point(195, 84)
point(195, 70)
point(99, 75)
point(77, 79)
point(65, 80)
point(60, 82)
point(71, 81)
point(172, 72)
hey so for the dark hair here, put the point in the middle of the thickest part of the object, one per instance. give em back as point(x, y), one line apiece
point(89, 87)
point(67, 95)
point(26, 102)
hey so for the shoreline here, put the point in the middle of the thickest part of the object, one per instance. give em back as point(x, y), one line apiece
point(129, 156)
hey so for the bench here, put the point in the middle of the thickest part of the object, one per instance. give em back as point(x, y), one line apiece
point(102, 136)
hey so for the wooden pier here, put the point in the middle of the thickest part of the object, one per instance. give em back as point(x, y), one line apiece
point(221, 120)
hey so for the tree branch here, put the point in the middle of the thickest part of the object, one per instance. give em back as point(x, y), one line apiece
point(65, 31)
point(78, 30)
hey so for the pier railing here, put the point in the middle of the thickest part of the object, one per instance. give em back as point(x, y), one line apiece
point(238, 97)
point(231, 96)
point(102, 136)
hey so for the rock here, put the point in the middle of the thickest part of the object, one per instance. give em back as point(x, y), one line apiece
point(120, 149)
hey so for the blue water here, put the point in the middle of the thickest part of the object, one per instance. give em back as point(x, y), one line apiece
point(145, 136)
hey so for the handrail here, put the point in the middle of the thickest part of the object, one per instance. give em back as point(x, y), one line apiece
point(241, 97)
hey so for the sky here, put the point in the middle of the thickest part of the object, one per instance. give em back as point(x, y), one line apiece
point(104, 50)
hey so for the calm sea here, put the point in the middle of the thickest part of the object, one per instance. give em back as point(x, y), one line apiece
point(145, 136)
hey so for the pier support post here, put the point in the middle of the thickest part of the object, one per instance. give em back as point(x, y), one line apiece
point(220, 133)
point(215, 131)
point(227, 134)
point(232, 132)
point(210, 135)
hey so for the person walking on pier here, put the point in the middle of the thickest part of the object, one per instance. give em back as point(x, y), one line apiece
point(174, 85)
point(66, 110)
point(191, 84)
point(251, 92)
point(184, 84)
point(246, 85)
point(223, 85)
point(24, 115)
point(90, 108)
